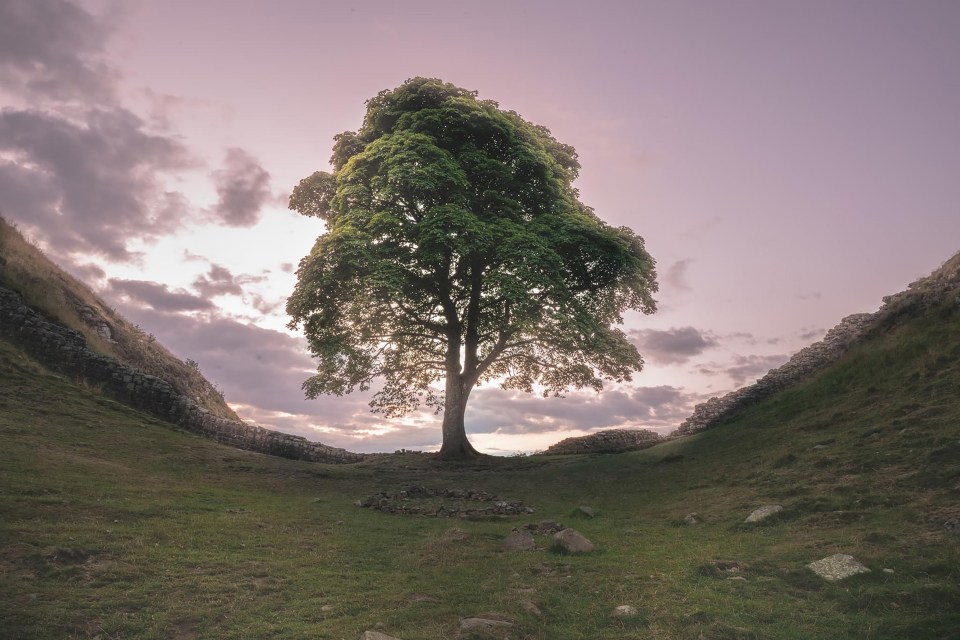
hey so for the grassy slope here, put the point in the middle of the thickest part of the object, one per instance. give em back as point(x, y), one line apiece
point(58, 295)
point(115, 526)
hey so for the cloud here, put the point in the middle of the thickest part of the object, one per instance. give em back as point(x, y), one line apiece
point(749, 368)
point(89, 186)
point(243, 187)
point(675, 277)
point(496, 410)
point(51, 49)
point(672, 346)
point(157, 296)
point(218, 282)
point(808, 335)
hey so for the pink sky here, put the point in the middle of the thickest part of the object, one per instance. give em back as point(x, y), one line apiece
point(787, 163)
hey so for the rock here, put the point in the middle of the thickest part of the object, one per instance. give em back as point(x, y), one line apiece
point(485, 626)
point(518, 541)
point(530, 608)
point(624, 611)
point(423, 597)
point(888, 570)
point(545, 527)
point(327, 608)
point(837, 567)
point(764, 512)
point(692, 518)
point(586, 511)
point(817, 447)
point(572, 541)
point(952, 525)
point(375, 635)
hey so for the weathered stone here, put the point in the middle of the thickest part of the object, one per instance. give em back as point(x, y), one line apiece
point(572, 541)
point(952, 526)
point(837, 567)
point(375, 635)
point(624, 611)
point(607, 441)
point(545, 527)
point(518, 541)
point(530, 608)
point(485, 623)
point(764, 512)
point(692, 518)
point(586, 511)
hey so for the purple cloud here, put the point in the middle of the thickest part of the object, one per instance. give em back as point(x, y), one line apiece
point(52, 49)
point(671, 346)
point(157, 296)
point(243, 187)
point(89, 186)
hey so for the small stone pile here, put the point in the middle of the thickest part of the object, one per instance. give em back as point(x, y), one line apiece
point(453, 503)
point(608, 441)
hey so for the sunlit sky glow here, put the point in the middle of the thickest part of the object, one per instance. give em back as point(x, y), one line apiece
point(787, 164)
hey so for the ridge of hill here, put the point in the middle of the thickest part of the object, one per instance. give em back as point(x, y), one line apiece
point(66, 301)
point(67, 328)
point(921, 297)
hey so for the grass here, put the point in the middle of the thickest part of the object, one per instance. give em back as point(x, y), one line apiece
point(115, 525)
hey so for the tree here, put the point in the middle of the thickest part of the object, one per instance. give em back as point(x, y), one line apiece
point(456, 248)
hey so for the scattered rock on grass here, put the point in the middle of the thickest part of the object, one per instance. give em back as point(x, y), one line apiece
point(624, 611)
point(530, 608)
point(585, 511)
point(952, 526)
point(518, 541)
point(545, 527)
point(485, 626)
point(375, 635)
point(572, 541)
point(692, 518)
point(837, 567)
point(764, 512)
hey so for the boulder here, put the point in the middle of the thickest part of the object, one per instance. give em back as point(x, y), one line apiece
point(572, 541)
point(763, 512)
point(624, 611)
point(518, 541)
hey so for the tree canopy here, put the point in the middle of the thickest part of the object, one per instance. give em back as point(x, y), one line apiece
point(456, 248)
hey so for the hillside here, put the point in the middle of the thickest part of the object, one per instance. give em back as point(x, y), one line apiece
point(68, 302)
point(114, 525)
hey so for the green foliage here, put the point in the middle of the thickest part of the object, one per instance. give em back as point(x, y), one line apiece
point(453, 225)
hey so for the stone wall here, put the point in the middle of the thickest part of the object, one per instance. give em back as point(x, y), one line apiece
point(65, 351)
point(609, 441)
point(940, 288)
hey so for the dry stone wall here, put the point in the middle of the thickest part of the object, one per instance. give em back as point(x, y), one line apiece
point(65, 351)
point(609, 441)
point(939, 289)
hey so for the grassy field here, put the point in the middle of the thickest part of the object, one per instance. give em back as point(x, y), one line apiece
point(114, 525)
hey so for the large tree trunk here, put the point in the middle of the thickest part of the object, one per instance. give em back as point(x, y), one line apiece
point(455, 444)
